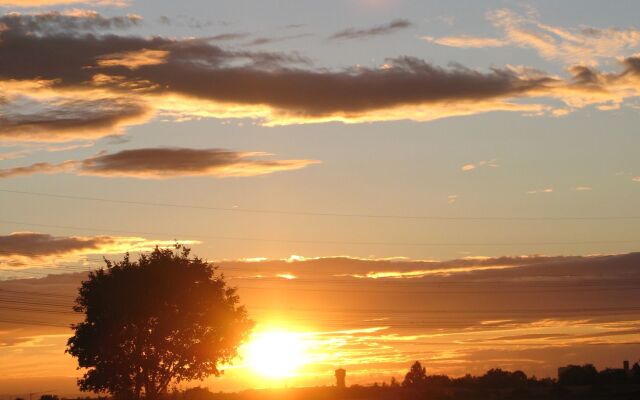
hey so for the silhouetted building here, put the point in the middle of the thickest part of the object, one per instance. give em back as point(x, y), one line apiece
point(341, 375)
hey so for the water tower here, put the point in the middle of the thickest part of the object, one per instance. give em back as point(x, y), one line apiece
point(341, 375)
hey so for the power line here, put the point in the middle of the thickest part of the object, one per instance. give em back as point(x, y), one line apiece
point(323, 214)
point(269, 240)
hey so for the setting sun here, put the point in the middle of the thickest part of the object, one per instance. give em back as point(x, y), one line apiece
point(275, 354)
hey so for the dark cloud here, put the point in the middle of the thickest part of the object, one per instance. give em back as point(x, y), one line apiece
point(198, 69)
point(378, 30)
point(59, 120)
point(280, 88)
point(169, 162)
point(590, 78)
point(53, 22)
point(32, 245)
point(160, 163)
point(228, 36)
point(72, 59)
point(268, 40)
point(407, 81)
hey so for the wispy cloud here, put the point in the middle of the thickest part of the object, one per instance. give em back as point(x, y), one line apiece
point(391, 27)
point(259, 41)
point(484, 163)
point(468, 41)
point(537, 191)
point(431, 272)
point(587, 45)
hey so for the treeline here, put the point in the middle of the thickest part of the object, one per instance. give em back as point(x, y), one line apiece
point(587, 374)
point(576, 382)
point(583, 382)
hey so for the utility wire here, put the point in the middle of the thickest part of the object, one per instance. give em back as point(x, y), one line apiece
point(323, 214)
point(334, 242)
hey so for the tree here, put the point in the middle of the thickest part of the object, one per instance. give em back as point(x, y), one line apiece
point(164, 318)
point(416, 376)
point(497, 378)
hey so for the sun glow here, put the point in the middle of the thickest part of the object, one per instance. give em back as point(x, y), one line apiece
point(275, 354)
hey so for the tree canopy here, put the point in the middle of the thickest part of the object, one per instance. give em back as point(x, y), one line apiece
point(164, 318)
point(416, 376)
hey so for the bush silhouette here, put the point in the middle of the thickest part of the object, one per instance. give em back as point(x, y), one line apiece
point(164, 318)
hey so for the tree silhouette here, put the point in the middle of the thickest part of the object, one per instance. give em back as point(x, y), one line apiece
point(416, 376)
point(164, 318)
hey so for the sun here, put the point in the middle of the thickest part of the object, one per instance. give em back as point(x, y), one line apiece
point(275, 354)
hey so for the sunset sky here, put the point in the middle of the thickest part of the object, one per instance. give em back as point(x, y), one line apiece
point(384, 180)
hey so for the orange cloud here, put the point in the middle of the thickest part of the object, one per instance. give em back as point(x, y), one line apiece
point(162, 163)
point(133, 59)
point(583, 46)
point(467, 41)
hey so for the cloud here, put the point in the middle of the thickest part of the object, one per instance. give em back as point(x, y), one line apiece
point(162, 163)
point(636, 179)
point(34, 245)
point(133, 59)
point(536, 314)
point(544, 190)
point(583, 188)
point(103, 83)
point(64, 22)
point(431, 272)
point(195, 78)
point(378, 30)
point(45, 3)
point(587, 45)
point(268, 40)
point(467, 41)
point(484, 163)
point(37, 168)
point(52, 118)
point(228, 36)
point(30, 244)
point(452, 198)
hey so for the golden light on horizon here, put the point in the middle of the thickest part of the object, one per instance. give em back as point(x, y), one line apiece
point(275, 354)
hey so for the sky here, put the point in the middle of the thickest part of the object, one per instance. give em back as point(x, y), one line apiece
point(331, 155)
